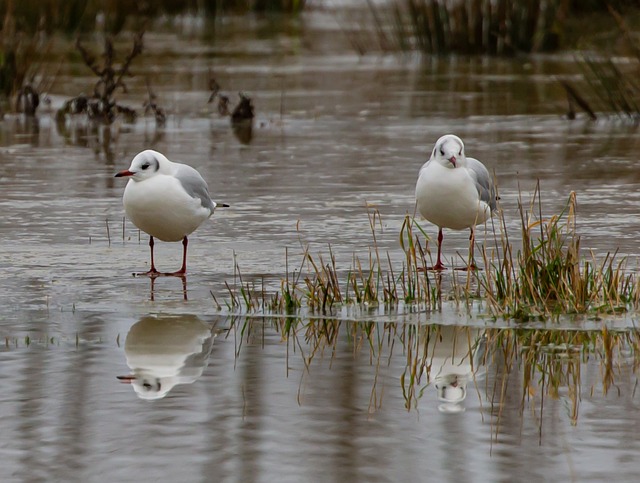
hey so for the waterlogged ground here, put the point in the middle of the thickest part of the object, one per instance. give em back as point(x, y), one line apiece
point(261, 399)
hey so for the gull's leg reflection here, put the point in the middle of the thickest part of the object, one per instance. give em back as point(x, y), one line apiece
point(184, 286)
point(152, 287)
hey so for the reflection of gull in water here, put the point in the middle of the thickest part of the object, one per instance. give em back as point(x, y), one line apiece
point(163, 351)
point(455, 356)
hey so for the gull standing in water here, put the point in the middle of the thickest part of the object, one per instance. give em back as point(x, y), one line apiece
point(166, 200)
point(454, 191)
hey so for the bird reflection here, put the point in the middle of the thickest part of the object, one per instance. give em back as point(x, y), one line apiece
point(166, 350)
point(456, 358)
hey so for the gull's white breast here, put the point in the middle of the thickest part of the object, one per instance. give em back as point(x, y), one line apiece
point(449, 197)
point(162, 208)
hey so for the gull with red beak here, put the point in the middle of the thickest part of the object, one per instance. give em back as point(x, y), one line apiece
point(454, 191)
point(166, 200)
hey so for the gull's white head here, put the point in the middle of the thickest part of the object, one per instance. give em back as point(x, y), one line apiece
point(449, 152)
point(150, 387)
point(145, 165)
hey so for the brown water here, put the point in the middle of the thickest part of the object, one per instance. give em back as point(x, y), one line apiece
point(333, 133)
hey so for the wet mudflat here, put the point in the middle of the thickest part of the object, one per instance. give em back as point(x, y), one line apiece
point(240, 398)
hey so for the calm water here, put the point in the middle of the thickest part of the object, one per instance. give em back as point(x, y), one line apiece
point(233, 398)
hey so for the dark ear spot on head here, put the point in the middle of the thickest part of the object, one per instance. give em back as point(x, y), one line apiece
point(150, 163)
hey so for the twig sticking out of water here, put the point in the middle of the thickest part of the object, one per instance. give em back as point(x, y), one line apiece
point(108, 232)
point(573, 96)
point(214, 87)
point(150, 105)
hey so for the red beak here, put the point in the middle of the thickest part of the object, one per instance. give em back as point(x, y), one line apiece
point(125, 172)
point(452, 160)
point(126, 379)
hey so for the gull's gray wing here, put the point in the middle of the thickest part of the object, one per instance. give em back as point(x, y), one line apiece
point(483, 180)
point(194, 185)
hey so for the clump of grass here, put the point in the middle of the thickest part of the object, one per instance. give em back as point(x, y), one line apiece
point(323, 286)
point(290, 299)
point(414, 280)
point(248, 297)
point(363, 283)
point(374, 281)
point(549, 275)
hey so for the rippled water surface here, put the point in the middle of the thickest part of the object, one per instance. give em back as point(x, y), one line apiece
point(222, 398)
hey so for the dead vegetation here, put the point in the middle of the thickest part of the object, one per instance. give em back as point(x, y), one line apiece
point(102, 105)
point(241, 116)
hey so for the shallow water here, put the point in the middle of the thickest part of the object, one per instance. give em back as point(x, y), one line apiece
point(334, 132)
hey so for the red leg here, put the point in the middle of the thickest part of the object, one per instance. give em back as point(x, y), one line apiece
point(153, 265)
point(155, 273)
point(439, 265)
point(152, 272)
point(472, 264)
point(185, 242)
point(183, 270)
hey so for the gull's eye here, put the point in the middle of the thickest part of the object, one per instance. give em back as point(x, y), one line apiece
point(460, 153)
point(442, 151)
point(145, 165)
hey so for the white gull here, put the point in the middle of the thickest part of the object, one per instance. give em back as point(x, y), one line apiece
point(454, 191)
point(166, 200)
